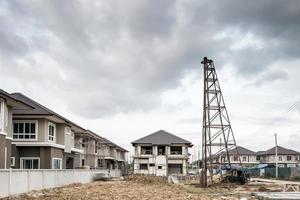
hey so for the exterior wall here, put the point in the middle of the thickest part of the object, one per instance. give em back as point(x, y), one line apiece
point(5, 135)
point(272, 159)
point(60, 134)
point(45, 154)
point(2, 151)
point(250, 159)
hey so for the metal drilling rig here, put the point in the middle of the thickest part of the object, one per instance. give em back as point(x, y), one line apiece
point(217, 135)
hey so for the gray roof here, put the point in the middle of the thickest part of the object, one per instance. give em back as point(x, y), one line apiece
point(161, 138)
point(8, 96)
point(38, 109)
point(280, 150)
point(242, 151)
point(43, 111)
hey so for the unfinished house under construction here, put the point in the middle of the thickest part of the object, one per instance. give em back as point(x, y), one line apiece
point(161, 154)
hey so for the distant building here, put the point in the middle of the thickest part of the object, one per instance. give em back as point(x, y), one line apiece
point(286, 157)
point(246, 156)
point(161, 154)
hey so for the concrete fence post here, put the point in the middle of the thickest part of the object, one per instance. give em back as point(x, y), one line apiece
point(43, 179)
point(55, 179)
point(28, 182)
point(9, 182)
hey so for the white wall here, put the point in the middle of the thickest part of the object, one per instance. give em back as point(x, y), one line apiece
point(21, 181)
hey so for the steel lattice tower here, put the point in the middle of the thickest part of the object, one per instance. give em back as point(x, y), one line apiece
point(217, 134)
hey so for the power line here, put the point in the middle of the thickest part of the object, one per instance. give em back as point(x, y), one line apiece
point(284, 115)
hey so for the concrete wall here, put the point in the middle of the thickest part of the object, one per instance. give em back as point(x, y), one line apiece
point(5, 135)
point(21, 181)
point(2, 151)
point(44, 153)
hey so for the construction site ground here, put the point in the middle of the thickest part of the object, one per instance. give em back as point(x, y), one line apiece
point(140, 188)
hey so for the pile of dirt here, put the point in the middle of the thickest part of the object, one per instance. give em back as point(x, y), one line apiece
point(143, 179)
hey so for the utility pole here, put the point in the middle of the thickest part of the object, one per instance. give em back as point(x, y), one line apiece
point(276, 155)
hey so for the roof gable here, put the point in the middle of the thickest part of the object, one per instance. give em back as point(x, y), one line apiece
point(241, 151)
point(161, 138)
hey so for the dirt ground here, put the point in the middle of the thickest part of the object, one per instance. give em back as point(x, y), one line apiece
point(142, 188)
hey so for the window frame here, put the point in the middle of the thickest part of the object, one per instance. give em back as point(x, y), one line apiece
point(25, 122)
point(235, 158)
point(244, 158)
point(54, 132)
point(179, 150)
point(29, 158)
point(53, 159)
point(288, 158)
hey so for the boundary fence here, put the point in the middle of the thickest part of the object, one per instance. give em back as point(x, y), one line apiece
point(13, 182)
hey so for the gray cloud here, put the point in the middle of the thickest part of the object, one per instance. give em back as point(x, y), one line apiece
point(109, 57)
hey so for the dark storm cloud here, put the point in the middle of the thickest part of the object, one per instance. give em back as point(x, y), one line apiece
point(114, 57)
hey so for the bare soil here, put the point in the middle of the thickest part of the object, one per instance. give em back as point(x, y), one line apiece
point(142, 188)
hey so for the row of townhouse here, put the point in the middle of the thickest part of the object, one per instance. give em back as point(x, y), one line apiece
point(286, 157)
point(34, 137)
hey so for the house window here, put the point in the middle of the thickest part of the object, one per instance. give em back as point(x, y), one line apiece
point(146, 150)
point(51, 132)
point(244, 158)
point(143, 166)
point(161, 150)
point(235, 158)
point(152, 164)
point(177, 150)
point(25, 130)
point(159, 167)
point(100, 163)
point(12, 161)
point(289, 158)
point(56, 163)
point(83, 143)
point(82, 162)
point(30, 163)
point(280, 158)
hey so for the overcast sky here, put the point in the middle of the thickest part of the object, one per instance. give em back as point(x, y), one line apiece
point(125, 69)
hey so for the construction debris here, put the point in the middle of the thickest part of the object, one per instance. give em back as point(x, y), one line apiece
point(277, 195)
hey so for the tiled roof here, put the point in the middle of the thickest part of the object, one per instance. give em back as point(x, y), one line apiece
point(161, 138)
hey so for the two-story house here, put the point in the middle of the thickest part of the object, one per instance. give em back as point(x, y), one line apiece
point(7, 105)
point(286, 157)
point(161, 154)
point(42, 139)
point(239, 155)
